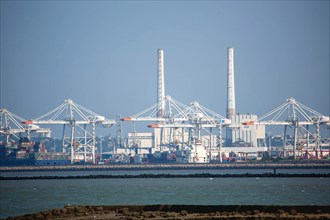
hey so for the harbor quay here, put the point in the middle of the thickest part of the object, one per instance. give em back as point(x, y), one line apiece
point(246, 165)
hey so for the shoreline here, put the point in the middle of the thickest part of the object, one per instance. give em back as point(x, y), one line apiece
point(183, 212)
point(118, 167)
point(144, 176)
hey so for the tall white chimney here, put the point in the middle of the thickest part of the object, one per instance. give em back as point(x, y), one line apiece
point(231, 106)
point(160, 84)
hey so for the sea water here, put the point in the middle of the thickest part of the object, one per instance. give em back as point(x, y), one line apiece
point(19, 197)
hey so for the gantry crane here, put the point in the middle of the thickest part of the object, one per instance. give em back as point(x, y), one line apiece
point(298, 117)
point(81, 121)
point(161, 112)
point(11, 126)
point(195, 118)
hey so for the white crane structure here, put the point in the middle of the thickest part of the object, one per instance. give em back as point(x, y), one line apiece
point(80, 140)
point(294, 115)
point(171, 109)
point(195, 118)
point(11, 125)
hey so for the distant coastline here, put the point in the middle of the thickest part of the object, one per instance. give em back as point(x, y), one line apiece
point(278, 165)
point(199, 175)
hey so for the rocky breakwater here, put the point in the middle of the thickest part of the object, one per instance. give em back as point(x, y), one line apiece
point(175, 166)
point(182, 212)
point(197, 175)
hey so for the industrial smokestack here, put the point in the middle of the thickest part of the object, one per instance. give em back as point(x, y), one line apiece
point(160, 84)
point(231, 106)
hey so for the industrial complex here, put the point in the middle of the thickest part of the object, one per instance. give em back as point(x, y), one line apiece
point(180, 133)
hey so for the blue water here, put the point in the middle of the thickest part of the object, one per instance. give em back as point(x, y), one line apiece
point(29, 196)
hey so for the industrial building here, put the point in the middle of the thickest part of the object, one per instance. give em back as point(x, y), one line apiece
point(141, 140)
point(247, 134)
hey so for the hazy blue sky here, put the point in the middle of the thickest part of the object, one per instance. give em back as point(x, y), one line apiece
point(103, 54)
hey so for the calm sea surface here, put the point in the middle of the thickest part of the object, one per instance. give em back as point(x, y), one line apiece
point(28, 196)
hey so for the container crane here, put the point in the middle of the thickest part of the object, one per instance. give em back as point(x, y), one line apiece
point(197, 118)
point(10, 125)
point(170, 108)
point(294, 115)
point(82, 122)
